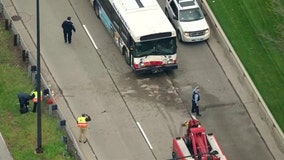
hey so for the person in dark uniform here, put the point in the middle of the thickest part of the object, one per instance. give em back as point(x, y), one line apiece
point(195, 100)
point(68, 26)
point(24, 99)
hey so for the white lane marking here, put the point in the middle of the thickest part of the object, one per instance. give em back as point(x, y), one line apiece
point(144, 135)
point(92, 40)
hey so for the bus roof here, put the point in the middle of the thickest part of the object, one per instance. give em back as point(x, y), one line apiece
point(143, 17)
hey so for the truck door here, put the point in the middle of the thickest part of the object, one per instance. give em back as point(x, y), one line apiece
point(174, 13)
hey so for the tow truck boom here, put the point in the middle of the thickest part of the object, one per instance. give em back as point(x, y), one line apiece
point(196, 144)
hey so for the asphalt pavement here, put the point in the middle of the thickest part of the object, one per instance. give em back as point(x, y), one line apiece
point(86, 151)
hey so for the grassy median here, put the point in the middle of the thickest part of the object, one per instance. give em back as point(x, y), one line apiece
point(256, 31)
point(20, 130)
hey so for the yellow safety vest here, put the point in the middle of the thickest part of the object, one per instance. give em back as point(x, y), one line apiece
point(82, 123)
point(35, 99)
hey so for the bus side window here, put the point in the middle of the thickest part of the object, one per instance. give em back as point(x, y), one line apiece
point(124, 34)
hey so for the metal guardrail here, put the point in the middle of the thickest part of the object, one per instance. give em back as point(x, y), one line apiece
point(31, 61)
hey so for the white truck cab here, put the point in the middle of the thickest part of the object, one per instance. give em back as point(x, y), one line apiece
point(188, 19)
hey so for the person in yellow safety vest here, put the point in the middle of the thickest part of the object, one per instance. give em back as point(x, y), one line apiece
point(35, 98)
point(83, 125)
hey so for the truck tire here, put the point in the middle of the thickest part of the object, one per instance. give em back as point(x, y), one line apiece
point(179, 36)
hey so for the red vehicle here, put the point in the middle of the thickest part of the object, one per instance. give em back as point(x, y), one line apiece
point(196, 144)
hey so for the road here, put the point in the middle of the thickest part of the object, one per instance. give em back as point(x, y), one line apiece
point(100, 83)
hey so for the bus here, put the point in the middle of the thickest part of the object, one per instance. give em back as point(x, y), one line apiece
point(141, 31)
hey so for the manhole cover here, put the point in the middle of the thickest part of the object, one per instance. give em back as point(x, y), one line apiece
point(16, 18)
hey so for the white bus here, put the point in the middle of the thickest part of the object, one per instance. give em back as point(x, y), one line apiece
point(142, 32)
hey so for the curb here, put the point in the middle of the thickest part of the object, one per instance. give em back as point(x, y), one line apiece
point(4, 152)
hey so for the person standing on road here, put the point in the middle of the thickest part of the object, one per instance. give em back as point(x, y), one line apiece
point(83, 125)
point(68, 26)
point(195, 100)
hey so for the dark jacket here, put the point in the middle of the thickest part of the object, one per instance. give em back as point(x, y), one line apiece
point(24, 98)
point(68, 26)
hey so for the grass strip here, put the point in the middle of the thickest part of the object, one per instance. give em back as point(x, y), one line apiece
point(255, 30)
point(20, 130)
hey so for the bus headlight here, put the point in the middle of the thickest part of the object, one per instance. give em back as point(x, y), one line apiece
point(141, 64)
point(170, 61)
point(165, 61)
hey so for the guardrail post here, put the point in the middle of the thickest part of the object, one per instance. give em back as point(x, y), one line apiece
point(61, 123)
point(25, 55)
point(52, 108)
point(64, 139)
point(16, 39)
point(7, 24)
point(33, 72)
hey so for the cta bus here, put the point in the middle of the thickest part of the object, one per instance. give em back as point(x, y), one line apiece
point(141, 31)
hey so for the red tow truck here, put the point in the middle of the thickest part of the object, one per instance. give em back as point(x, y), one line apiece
point(196, 144)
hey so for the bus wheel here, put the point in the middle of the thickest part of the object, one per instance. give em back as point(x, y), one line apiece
point(179, 36)
point(96, 10)
point(126, 56)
